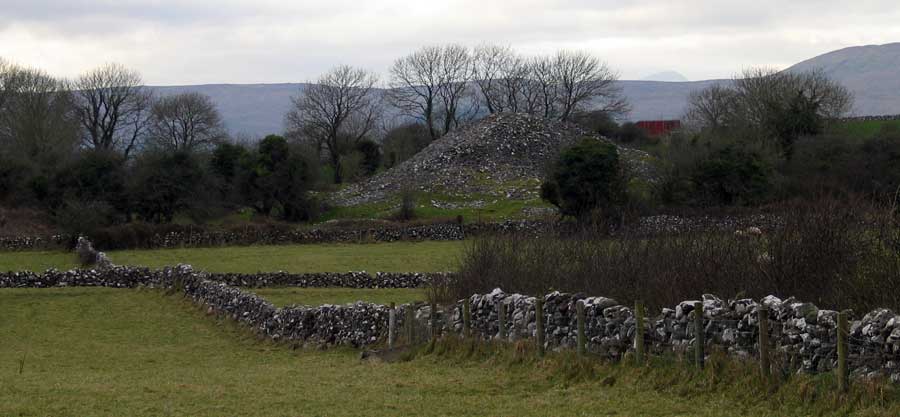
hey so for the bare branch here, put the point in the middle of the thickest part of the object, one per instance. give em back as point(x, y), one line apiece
point(185, 122)
point(339, 109)
point(109, 101)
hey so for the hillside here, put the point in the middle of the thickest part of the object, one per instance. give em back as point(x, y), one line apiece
point(871, 72)
point(249, 109)
point(259, 109)
point(502, 156)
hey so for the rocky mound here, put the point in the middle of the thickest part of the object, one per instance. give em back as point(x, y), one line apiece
point(504, 155)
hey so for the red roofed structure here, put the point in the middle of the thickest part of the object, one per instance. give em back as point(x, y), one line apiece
point(658, 127)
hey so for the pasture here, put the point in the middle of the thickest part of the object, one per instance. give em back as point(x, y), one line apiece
point(95, 351)
point(431, 256)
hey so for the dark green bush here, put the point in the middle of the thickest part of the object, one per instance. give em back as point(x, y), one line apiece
point(77, 217)
point(586, 177)
point(631, 133)
point(407, 210)
point(402, 142)
point(165, 184)
point(599, 122)
point(371, 156)
point(733, 176)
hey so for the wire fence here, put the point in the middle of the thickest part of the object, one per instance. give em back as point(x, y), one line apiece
point(833, 350)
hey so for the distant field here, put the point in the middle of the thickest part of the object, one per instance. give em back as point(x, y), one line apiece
point(429, 256)
point(863, 129)
point(96, 351)
point(317, 296)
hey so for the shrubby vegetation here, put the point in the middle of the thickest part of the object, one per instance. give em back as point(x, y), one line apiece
point(586, 178)
point(834, 252)
point(760, 139)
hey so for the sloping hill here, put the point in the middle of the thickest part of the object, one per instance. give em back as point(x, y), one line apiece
point(503, 155)
point(660, 100)
point(259, 109)
point(252, 109)
point(871, 72)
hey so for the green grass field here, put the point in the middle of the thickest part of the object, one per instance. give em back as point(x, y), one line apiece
point(863, 129)
point(100, 351)
point(95, 351)
point(429, 256)
point(318, 296)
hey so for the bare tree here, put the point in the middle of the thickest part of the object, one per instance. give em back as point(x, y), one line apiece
point(490, 65)
point(770, 105)
point(502, 78)
point(552, 86)
point(112, 107)
point(185, 122)
point(545, 86)
point(455, 75)
point(37, 118)
point(7, 81)
point(430, 85)
point(338, 110)
point(711, 108)
point(583, 79)
point(783, 106)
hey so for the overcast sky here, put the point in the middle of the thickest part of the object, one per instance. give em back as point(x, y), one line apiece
point(175, 42)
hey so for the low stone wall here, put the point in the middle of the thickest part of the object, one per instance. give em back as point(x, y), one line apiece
point(803, 336)
point(200, 237)
point(19, 243)
point(883, 117)
point(129, 277)
point(328, 279)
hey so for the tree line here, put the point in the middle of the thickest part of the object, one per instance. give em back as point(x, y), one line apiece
point(436, 89)
point(101, 148)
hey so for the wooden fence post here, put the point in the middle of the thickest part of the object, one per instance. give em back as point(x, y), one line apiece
point(467, 318)
point(434, 326)
point(762, 313)
point(842, 333)
point(411, 324)
point(392, 323)
point(698, 334)
point(639, 331)
point(539, 323)
point(501, 319)
point(579, 310)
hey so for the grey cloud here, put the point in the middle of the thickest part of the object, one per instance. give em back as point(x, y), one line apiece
point(175, 41)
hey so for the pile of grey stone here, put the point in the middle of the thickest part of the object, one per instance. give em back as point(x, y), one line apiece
point(504, 155)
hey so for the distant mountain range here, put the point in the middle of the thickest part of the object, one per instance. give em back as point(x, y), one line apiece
point(872, 73)
point(668, 76)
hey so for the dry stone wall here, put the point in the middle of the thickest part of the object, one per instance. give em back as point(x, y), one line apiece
point(802, 336)
point(199, 237)
point(129, 277)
